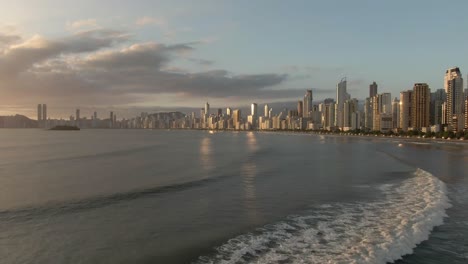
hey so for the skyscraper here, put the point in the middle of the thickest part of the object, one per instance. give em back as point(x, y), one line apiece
point(307, 106)
point(266, 110)
point(254, 110)
point(77, 117)
point(453, 84)
point(376, 113)
point(421, 104)
point(406, 106)
point(228, 111)
point(300, 108)
point(373, 89)
point(466, 112)
point(368, 113)
point(207, 109)
point(95, 115)
point(341, 96)
point(236, 116)
point(385, 103)
point(39, 112)
point(349, 109)
point(396, 113)
point(44, 112)
point(254, 113)
point(437, 99)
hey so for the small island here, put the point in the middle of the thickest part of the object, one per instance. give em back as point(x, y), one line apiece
point(67, 128)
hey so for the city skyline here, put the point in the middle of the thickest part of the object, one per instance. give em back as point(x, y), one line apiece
point(419, 110)
point(174, 55)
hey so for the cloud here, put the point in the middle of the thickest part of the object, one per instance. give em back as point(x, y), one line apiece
point(146, 20)
point(37, 49)
point(201, 61)
point(90, 23)
point(107, 67)
point(7, 39)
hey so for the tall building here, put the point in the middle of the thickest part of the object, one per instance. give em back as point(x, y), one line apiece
point(349, 110)
point(254, 110)
point(421, 106)
point(396, 113)
point(328, 116)
point(453, 84)
point(341, 96)
point(373, 89)
point(385, 103)
point(44, 112)
point(207, 109)
point(39, 112)
point(376, 113)
point(437, 99)
point(406, 108)
point(307, 106)
point(368, 113)
point(220, 112)
point(77, 117)
point(466, 112)
point(229, 112)
point(300, 108)
point(254, 114)
point(236, 116)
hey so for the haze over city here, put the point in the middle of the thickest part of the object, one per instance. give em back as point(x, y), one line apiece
point(173, 55)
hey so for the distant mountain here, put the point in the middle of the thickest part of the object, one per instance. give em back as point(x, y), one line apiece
point(17, 121)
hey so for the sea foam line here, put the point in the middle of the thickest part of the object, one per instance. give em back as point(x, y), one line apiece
point(375, 232)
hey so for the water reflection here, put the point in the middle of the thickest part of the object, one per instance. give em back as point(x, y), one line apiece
point(206, 154)
point(249, 172)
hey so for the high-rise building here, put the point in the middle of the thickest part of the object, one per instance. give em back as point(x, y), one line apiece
point(266, 110)
point(236, 116)
point(307, 106)
point(39, 112)
point(44, 112)
point(254, 110)
point(254, 114)
point(341, 96)
point(376, 113)
point(220, 112)
point(77, 117)
point(437, 99)
point(368, 113)
point(421, 106)
point(396, 113)
point(406, 108)
point(385, 103)
point(349, 110)
point(300, 108)
point(95, 115)
point(453, 84)
point(229, 112)
point(328, 116)
point(466, 112)
point(207, 109)
point(372, 89)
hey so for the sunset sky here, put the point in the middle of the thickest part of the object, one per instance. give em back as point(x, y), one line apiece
point(154, 55)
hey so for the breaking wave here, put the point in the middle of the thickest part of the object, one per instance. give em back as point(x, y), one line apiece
point(376, 232)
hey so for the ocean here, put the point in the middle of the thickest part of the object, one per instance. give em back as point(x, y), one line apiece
point(179, 196)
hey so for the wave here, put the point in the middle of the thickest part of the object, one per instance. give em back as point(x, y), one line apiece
point(72, 206)
point(376, 232)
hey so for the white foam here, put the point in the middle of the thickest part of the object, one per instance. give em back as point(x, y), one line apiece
point(376, 232)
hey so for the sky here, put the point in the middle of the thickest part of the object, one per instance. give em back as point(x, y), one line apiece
point(133, 56)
